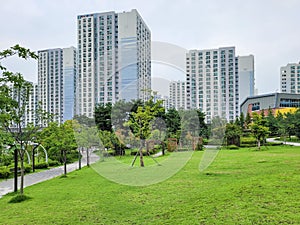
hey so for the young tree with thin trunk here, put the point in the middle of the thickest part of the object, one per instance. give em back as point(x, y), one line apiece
point(140, 123)
point(258, 129)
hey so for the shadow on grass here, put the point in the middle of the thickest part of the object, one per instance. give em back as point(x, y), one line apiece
point(19, 198)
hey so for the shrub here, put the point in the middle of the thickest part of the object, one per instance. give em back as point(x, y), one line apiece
point(53, 162)
point(41, 165)
point(27, 168)
point(232, 147)
point(4, 172)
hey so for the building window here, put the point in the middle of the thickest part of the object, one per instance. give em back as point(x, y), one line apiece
point(255, 106)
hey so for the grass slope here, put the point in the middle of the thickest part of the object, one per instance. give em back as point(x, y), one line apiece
point(240, 187)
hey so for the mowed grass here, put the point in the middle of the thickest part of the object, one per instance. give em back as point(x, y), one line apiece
point(240, 187)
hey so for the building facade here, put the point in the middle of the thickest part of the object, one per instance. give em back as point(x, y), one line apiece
point(177, 95)
point(114, 59)
point(290, 78)
point(246, 77)
point(277, 102)
point(212, 82)
point(69, 82)
point(29, 115)
point(56, 75)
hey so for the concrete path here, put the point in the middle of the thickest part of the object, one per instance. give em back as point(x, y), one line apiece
point(7, 186)
point(286, 143)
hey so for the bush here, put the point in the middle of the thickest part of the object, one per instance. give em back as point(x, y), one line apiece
point(248, 140)
point(41, 165)
point(232, 147)
point(27, 168)
point(53, 162)
point(4, 172)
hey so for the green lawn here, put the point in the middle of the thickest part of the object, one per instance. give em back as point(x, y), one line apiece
point(240, 187)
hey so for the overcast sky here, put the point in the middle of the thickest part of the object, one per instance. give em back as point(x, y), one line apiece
point(268, 29)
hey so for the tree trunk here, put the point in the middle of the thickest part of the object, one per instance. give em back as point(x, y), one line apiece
point(87, 157)
point(258, 144)
point(15, 170)
point(79, 158)
point(65, 163)
point(22, 172)
point(141, 153)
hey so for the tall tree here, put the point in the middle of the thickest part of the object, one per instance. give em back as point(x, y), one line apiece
point(247, 120)
point(103, 116)
point(272, 123)
point(242, 121)
point(14, 100)
point(173, 123)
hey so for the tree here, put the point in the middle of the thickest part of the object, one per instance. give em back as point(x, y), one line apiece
point(296, 123)
point(259, 131)
point(14, 99)
point(233, 133)
point(247, 120)
point(103, 116)
point(173, 123)
point(59, 140)
point(140, 123)
point(84, 120)
point(272, 123)
point(242, 121)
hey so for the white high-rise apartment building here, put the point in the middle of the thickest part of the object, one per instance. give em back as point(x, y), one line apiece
point(114, 52)
point(56, 75)
point(212, 82)
point(177, 92)
point(290, 78)
point(30, 110)
point(32, 107)
point(246, 77)
point(69, 82)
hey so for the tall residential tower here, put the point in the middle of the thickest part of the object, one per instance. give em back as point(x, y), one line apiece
point(290, 78)
point(246, 77)
point(56, 74)
point(212, 82)
point(114, 52)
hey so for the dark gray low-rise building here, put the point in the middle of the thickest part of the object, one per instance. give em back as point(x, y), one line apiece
point(278, 102)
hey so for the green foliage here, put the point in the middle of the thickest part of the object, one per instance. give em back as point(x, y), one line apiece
point(103, 116)
point(14, 100)
point(53, 162)
point(232, 147)
point(27, 168)
point(41, 165)
point(233, 133)
point(173, 123)
point(258, 128)
point(59, 138)
point(4, 172)
point(247, 120)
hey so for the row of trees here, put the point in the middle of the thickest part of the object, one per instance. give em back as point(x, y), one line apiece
point(261, 126)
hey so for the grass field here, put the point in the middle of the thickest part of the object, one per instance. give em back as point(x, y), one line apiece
point(240, 187)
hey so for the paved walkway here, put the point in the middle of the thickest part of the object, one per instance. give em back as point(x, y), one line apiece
point(7, 186)
point(286, 143)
